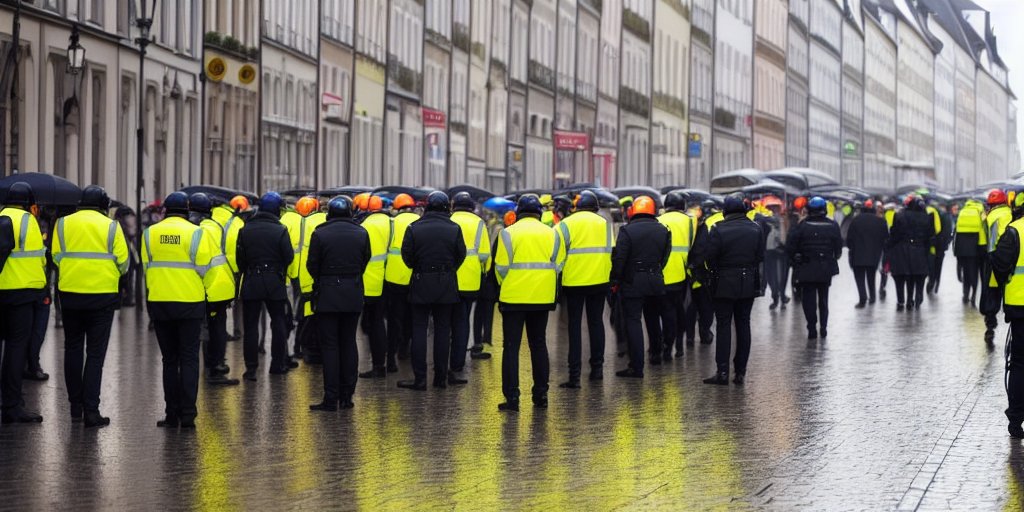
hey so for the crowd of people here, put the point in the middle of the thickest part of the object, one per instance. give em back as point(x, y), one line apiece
point(324, 270)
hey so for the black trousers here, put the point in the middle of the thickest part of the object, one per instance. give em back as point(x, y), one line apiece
point(776, 270)
point(669, 309)
point(15, 333)
point(935, 274)
point(483, 321)
point(536, 324)
point(1015, 367)
point(991, 304)
point(40, 322)
point(815, 302)
point(593, 303)
point(910, 288)
point(442, 314)
point(969, 275)
point(700, 311)
point(635, 307)
point(86, 337)
point(728, 311)
point(376, 332)
point(399, 318)
point(179, 346)
point(217, 327)
point(277, 309)
point(460, 332)
point(865, 279)
point(340, 353)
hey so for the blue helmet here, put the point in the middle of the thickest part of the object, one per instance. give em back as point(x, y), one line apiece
point(340, 208)
point(200, 202)
point(176, 202)
point(816, 205)
point(271, 202)
point(529, 204)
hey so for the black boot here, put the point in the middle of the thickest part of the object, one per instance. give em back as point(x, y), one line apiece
point(509, 406)
point(94, 420)
point(325, 406)
point(739, 379)
point(219, 379)
point(76, 414)
point(392, 365)
point(416, 385)
point(1015, 430)
point(540, 401)
point(597, 373)
point(168, 422)
point(572, 383)
point(455, 380)
point(346, 402)
point(629, 373)
point(720, 378)
point(378, 372)
point(20, 415)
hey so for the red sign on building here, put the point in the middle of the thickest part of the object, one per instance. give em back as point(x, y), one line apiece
point(573, 141)
point(433, 118)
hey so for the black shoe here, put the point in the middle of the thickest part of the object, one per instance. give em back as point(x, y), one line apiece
point(234, 337)
point(540, 401)
point(775, 304)
point(739, 378)
point(966, 299)
point(378, 372)
point(325, 406)
point(217, 379)
point(37, 375)
point(881, 294)
point(1015, 430)
point(291, 365)
point(824, 333)
point(297, 354)
point(440, 381)
point(860, 305)
point(76, 414)
point(871, 300)
point(221, 369)
point(479, 355)
point(720, 378)
point(511, 405)
point(666, 356)
point(990, 335)
point(94, 420)
point(249, 375)
point(20, 416)
point(416, 385)
point(785, 300)
point(707, 337)
point(690, 341)
point(596, 374)
point(899, 307)
point(812, 335)
point(656, 360)
point(392, 365)
point(263, 351)
point(629, 373)
point(571, 384)
point(346, 403)
point(188, 423)
point(278, 370)
point(168, 422)
point(455, 380)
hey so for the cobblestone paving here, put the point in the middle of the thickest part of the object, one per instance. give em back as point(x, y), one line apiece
point(892, 411)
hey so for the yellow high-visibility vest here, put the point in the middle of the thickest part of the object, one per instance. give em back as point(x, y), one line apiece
point(478, 250)
point(232, 224)
point(527, 260)
point(588, 240)
point(395, 270)
point(26, 266)
point(679, 224)
point(378, 226)
point(176, 256)
point(996, 221)
point(91, 253)
point(1013, 294)
point(220, 280)
point(292, 221)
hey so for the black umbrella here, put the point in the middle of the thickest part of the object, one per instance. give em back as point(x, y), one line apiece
point(220, 193)
point(49, 190)
point(347, 190)
point(478, 194)
point(419, 194)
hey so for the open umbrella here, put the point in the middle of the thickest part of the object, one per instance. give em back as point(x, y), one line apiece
point(49, 190)
point(499, 204)
point(478, 194)
point(347, 190)
point(222, 193)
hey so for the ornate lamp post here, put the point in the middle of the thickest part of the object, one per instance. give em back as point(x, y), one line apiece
point(144, 10)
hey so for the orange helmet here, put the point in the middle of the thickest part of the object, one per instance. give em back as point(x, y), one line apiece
point(800, 203)
point(361, 201)
point(510, 218)
point(306, 206)
point(770, 201)
point(643, 205)
point(240, 203)
point(403, 201)
point(374, 204)
point(996, 197)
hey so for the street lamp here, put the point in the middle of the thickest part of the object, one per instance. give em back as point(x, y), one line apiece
point(144, 22)
point(76, 54)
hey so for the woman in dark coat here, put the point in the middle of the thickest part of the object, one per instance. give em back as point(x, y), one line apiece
point(910, 242)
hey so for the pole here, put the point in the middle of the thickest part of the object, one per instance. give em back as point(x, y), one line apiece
point(16, 42)
point(143, 41)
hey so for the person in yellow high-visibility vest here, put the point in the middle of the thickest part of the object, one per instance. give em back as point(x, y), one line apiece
point(680, 225)
point(998, 217)
point(176, 257)
point(1007, 261)
point(230, 216)
point(470, 277)
point(308, 208)
point(701, 311)
point(396, 280)
point(22, 283)
point(969, 242)
point(527, 260)
point(91, 255)
point(588, 240)
point(221, 292)
point(377, 224)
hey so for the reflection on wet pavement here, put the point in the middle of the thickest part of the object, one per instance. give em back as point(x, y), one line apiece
point(893, 410)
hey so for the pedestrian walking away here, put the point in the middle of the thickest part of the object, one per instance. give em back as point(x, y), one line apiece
point(814, 247)
point(865, 240)
point(999, 216)
point(1006, 261)
point(909, 245)
point(470, 277)
point(969, 247)
point(673, 308)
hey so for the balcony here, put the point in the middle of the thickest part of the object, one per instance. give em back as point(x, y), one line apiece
point(634, 23)
point(725, 119)
point(460, 37)
point(436, 37)
point(541, 75)
point(404, 77)
point(674, 106)
point(679, 7)
point(230, 46)
point(479, 50)
point(498, 66)
point(635, 102)
point(702, 36)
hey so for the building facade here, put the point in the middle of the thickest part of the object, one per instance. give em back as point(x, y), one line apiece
point(915, 99)
point(702, 94)
point(797, 94)
point(853, 94)
point(824, 131)
point(733, 112)
point(337, 75)
point(879, 97)
point(670, 93)
point(771, 29)
point(635, 94)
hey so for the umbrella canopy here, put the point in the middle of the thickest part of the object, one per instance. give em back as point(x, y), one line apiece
point(49, 190)
point(638, 191)
point(220, 193)
point(478, 194)
point(499, 204)
point(348, 190)
point(419, 194)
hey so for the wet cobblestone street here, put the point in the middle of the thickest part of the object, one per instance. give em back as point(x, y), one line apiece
point(892, 411)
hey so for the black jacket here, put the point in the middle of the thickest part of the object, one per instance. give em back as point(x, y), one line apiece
point(866, 238)
point(264, 253)
point(910, 242)
point(945, 236)
point(641, 251)
point(814, 248)
point(434, 249)
point(733, 253)
point(1004, 263)
point(338, 254)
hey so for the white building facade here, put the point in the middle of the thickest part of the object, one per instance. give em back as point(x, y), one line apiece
point(824, 133)
point(734, 58)
point(771, 29)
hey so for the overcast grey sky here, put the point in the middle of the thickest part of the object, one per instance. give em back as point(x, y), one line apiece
point(1007, 16)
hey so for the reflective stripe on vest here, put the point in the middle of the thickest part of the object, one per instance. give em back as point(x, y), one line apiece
point(20, 251)
point(193, 252)
point(607, 249)
point(549, 265)
point(475, 251)
point(85, 255)
point(224, 235)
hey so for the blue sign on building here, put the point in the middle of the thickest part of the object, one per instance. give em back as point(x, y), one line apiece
point(695, 148)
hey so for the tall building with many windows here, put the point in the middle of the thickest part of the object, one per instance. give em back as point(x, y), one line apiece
point(540, 165)
point(403, 117)
point(367, 139)
point(733, 116)
point(853, 94)
point(797, 62)
point(588, 60)
point(915, 98)
point(670, 93)
point(702, 93)
point(771, 26)
point(635, 94)
point(879, 97)
point(337, 71)
point(825, 70)
point(944, 86)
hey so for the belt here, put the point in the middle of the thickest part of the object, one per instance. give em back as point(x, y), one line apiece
point(263, 269)
point(434, 268)
point(640, 267)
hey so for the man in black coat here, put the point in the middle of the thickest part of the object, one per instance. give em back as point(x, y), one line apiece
point(910, 241)
point(434, 249)
point(338, 254)
point(641, 251)
point(942, 241)
point(263, 255)
point(734, 252)
point(1004, 262)
point(865, 239)
point(814, 247)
